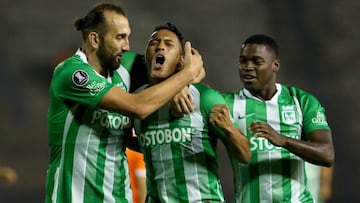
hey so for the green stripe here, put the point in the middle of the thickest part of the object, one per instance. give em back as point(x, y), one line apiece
point(152, 186)
point(179, 173)
point(95, 193)
point(286, 163)
point(211, 165)
point(64, 193)
point(259, 109)
point(178, 162)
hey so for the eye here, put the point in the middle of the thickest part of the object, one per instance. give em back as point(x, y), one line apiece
point(153, 42)
point(121, 36)
point(258, 62)
point(242, 60)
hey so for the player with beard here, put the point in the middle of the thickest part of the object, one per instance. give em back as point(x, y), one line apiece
point(180, 152)
point(89, 105)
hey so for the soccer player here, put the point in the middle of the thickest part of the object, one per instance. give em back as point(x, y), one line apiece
point(286, 126)
point(180, 150)
point(89, 105)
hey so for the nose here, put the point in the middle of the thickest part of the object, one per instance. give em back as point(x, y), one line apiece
point(126, 46)
point(160, 47)
point(247, 66)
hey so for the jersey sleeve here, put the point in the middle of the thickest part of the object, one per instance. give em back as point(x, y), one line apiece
point(210, 97)
point(79, 83)
point(314, 117)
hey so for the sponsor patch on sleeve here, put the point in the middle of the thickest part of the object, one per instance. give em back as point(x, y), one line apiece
point(80, 78)
point(320, 119)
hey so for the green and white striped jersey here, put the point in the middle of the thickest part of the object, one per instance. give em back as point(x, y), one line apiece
point(87, 147)
point(180, 152)
point(274, 174)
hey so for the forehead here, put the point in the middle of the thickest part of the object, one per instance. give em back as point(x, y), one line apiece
point(256, 50)
point(164, 34)
point(117, 22)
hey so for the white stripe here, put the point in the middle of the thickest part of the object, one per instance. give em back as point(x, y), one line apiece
point(193, 185)
point(56, 185)
point(239, 109)
point(164, 150)
point(125, 76)
point(79, 165)
point(111, 152)
point(273, 119)
point(295, 185)
point(298, 108)
point(68, 121)
point(296, 179)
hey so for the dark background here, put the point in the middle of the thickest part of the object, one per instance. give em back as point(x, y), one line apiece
point(318, 49)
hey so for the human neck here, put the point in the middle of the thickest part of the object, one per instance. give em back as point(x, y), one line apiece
point(94, 61)
point(264, 94)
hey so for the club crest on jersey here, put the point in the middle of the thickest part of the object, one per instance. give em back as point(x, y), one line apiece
point(288, 114)
point(80, 78)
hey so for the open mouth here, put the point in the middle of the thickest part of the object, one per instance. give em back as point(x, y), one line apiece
point(248, 78)
point(159, 60)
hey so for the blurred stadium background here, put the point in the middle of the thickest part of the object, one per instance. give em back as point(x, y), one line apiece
point(319, 44)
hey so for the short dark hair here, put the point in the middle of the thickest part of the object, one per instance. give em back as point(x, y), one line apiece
point(95, 18)
point(171, 27)
point(264, 40)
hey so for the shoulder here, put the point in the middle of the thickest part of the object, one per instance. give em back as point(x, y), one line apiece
point(130, 58)
point(73, 68)
point(72, 64)
point(204, 89)
point(206, 94)
point(298, 93)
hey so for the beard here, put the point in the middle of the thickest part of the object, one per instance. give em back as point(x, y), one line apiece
point(107, 60)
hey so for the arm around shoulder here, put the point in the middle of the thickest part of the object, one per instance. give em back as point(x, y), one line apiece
point(143, 103)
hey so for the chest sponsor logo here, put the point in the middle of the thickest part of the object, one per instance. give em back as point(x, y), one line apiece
point(80, 78)
point(288, 114)
point(165, 136)
point(263, 144)
point(109, 120)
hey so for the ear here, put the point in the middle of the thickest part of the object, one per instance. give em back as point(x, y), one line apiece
point(94, 39)
point(276, 65)
point(181, 62)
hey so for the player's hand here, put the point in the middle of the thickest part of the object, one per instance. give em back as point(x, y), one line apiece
point(193, 61)
point(182, 102)
point(264, 130)
point(220, 117)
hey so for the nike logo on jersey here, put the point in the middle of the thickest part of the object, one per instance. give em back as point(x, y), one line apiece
point(246, 116)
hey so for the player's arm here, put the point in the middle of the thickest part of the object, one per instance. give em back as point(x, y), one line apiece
point(318, 149)
point(238, 144)
point(141, 104)
point(182, 102)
